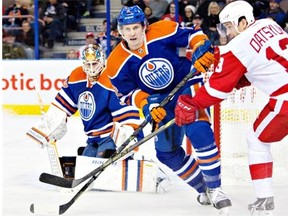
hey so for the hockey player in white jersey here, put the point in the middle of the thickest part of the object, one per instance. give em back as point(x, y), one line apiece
point(257, 54)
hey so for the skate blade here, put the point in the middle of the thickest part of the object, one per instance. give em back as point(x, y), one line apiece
point(224, 211)
point(262, 213)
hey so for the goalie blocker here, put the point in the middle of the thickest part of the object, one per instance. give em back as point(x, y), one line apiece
point(124, 175)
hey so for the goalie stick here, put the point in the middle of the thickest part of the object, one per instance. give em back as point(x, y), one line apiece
point(68, 183)
point(95, 173)
point(51, 146)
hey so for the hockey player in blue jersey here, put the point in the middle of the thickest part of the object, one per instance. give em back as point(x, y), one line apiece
point(89, 90)
point(143, 69)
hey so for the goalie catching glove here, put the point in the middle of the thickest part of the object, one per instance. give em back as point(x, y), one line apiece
point(152, 111)
point(186, 111)
point(51, 127)
point(202, 56)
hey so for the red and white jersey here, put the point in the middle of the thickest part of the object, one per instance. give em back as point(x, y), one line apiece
point(260, 53)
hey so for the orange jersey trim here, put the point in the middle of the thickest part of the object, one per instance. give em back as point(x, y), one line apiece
point(196, 39)
point(162, 28)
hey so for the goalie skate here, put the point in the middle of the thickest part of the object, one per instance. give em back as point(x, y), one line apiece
point(262, 207)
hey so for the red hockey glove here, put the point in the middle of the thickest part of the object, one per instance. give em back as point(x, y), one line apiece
point(185, 110)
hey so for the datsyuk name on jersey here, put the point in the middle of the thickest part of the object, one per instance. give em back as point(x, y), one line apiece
point(264, 34)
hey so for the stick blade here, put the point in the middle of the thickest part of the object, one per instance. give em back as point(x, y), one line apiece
point(56, 180)
point(41, 210)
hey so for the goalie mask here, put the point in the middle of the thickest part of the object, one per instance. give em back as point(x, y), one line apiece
point(93, 60)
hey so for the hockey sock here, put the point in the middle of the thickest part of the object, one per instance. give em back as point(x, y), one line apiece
point(209, 163)
point(185, 166)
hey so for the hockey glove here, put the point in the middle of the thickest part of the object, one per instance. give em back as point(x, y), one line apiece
point(185, 110)
point(120, 133)
point(51, 127)
point(203, 57)
point(152, 111)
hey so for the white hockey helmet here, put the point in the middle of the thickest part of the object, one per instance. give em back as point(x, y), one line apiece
point(93, 60)
point(236, 9)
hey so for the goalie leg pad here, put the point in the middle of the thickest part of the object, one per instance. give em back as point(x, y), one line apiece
point(124, 175)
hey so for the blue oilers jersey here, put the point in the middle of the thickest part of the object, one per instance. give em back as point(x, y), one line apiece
point(97, 104)
point(155, 67)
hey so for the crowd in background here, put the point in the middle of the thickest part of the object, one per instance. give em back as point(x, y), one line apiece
point(57, 17)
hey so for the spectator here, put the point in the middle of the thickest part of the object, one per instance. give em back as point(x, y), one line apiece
point(276, 13)
point(149, 15)
point(27, 39)
point(71, 54)
point(102, 38)
point(88, 8)
point(211, 21)
point(74, 10)
point(10, 49)
point(140, 3)
point(260, 8)
point(198, 20)
point(17, 9)
point(171, 14)
point(90, 39)
point(54, 17)
point(189, 14)
point(159, 7)
point(182, 5)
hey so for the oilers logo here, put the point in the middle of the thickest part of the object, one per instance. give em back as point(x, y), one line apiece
point(156, 73)
point(86, 105)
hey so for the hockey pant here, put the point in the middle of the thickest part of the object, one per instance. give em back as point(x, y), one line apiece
point(104, 148)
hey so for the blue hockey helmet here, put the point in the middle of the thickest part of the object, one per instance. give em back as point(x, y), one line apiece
point(131, 15)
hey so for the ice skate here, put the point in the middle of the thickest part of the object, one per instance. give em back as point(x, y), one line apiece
point(203, 199)
point(219, 200)
point(262, 206)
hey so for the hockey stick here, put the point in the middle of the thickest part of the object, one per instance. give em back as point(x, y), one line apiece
point(68, 183)
point(95, 173)
point(51, 146)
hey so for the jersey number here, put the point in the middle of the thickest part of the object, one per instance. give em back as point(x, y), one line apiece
point(272, 55)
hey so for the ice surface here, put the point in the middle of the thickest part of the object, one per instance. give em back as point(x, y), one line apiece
point(24, 161)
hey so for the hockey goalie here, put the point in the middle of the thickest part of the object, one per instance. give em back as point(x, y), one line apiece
point(107, 122)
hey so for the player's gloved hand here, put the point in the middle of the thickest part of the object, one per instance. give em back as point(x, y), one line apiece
point(152, 111)
point(203, 56)
point(185, 110)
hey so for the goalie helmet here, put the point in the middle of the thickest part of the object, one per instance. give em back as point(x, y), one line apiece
point(93, 59)
point(235, 10)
